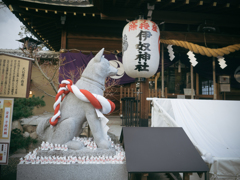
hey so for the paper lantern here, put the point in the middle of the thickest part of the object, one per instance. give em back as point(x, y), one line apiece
point(141, 48)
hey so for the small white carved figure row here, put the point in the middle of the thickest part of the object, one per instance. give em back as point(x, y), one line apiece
point(47, 146)
point(32, 158)
point(117, 159)
point(89, 142)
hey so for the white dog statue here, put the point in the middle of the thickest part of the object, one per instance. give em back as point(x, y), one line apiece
point(75, 112)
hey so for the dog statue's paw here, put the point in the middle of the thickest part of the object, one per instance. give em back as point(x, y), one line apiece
point(75, 145)
point(103, 144)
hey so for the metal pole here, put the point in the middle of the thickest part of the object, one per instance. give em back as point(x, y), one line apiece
point(162, 71)
point(192, 82)
point(214, 81)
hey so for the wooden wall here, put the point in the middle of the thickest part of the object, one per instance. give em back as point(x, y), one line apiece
point(86, 43)
point(39, 87)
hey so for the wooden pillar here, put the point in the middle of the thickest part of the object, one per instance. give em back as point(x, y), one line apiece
point(214, 80)
point(192, 97)
point(218, 91)
point(162, 70)
point(144, 89)
point(186, 176)
point(155, 82)
point(64, 39)
point(156, 78)
point(144, 176)
point(166, 92)
point(197, 84)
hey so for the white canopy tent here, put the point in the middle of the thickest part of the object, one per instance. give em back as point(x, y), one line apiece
point(213, 126)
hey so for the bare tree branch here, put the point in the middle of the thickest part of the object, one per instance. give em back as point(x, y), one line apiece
point(47, 78)
point(42, 90)
point(54, 73)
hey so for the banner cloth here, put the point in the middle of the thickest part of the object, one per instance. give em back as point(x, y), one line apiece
point(73, 61)
point(212, 126)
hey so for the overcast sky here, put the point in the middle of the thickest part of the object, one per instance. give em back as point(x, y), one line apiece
point(9, 29)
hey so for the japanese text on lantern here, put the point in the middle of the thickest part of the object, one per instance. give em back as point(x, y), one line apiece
point(140, 48)
point(13, 76)
point(143, 48)
point(133, 26)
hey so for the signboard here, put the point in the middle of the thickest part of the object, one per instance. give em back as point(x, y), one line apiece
point(4, 153)
point(224, 83)
point(180, 96)
point(188, 91)
point(6, 110)
point(15, 76)
point(225, 88)
point(224, 79)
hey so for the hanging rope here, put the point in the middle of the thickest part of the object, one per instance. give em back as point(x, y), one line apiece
point(203, 50)
point(192, 47)
point(98, 101)
point(84, 51)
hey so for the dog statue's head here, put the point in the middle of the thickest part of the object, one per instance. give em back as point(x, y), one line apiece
point(99, 68)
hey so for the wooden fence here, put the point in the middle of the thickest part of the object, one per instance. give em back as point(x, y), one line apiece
point(132, 92)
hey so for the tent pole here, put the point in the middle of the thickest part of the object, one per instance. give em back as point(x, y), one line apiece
point(214, 81)
point(162, 70)
point(192, 82)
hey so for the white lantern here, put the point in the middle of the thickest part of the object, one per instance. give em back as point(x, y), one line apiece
point(141, 48)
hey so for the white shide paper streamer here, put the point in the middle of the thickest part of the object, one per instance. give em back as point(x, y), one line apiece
point(222, 62)
point(171, 52)
point(192, 58)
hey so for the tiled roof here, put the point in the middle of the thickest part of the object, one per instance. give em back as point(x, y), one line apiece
point(40, 54)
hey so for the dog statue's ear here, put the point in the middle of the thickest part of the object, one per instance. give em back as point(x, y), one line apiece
point(99, 55)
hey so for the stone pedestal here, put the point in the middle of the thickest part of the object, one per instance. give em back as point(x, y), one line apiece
point(72, 171)
point(82, 152)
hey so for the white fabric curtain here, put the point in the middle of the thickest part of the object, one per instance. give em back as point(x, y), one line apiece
point(212, 126)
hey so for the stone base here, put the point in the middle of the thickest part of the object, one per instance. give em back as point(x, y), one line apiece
point(72, 171)
point(82, 152)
